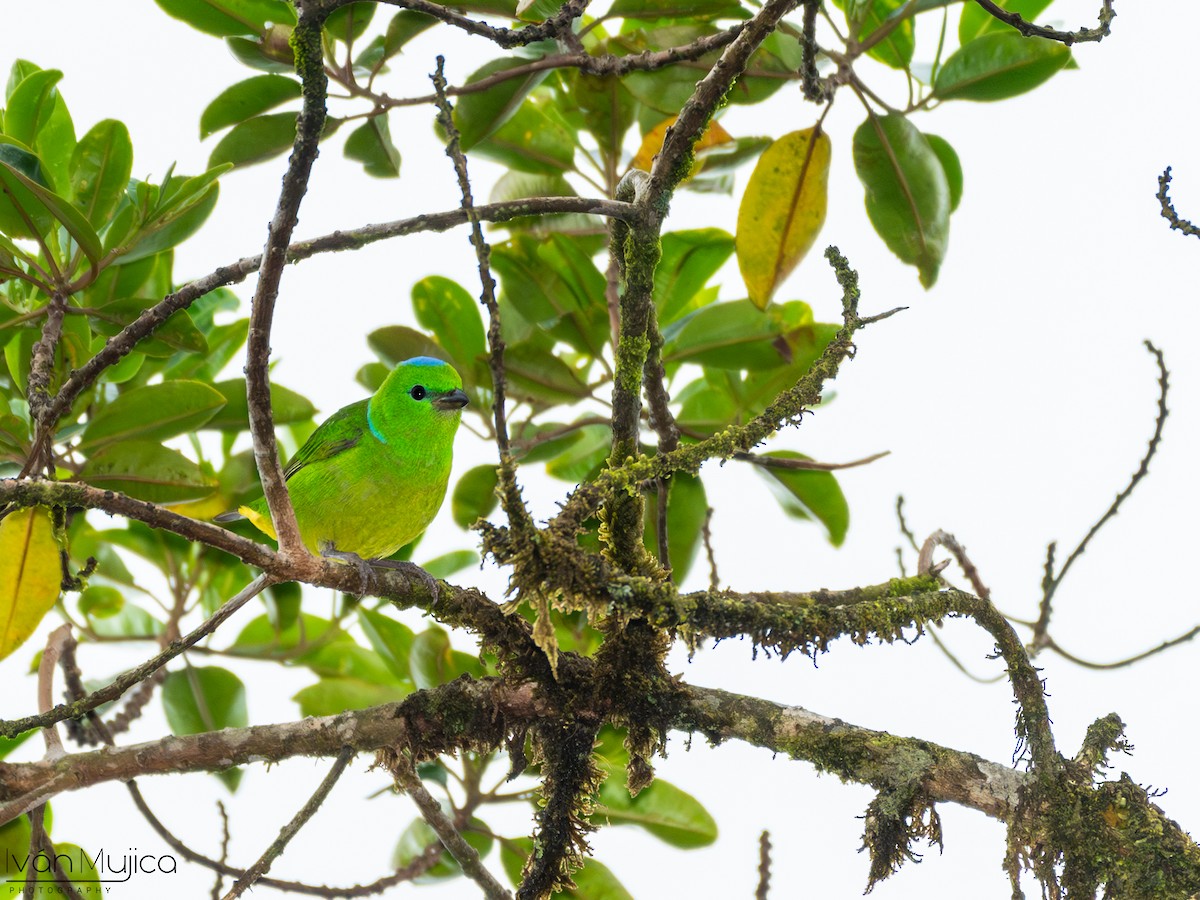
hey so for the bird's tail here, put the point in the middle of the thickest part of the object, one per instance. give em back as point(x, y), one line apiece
point(231, 516)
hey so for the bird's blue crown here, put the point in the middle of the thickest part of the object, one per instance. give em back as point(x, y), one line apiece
point(424, 361)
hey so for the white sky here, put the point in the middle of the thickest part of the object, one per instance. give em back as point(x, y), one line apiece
point(1016, 399)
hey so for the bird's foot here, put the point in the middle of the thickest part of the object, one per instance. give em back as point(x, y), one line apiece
point(365, 572)
point(408, 570)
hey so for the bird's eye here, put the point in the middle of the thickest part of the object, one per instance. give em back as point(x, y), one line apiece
point(417, 393)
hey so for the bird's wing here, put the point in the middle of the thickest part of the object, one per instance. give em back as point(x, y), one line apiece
point(337, 434)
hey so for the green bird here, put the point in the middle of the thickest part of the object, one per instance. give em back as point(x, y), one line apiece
point(371, 478)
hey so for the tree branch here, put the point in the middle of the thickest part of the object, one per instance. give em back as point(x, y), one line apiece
point(1028, 29)
point(464, 854)
point(1168, 208)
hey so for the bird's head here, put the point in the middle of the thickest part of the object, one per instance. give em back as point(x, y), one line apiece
point(420, 393)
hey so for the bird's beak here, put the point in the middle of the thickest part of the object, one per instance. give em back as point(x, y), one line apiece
point(455, 399)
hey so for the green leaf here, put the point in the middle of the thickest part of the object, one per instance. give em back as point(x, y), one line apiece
point(667, 812)
point(779, 58)
point(396, 343)
point(896, 50)
point(392, 640)
point(247, 99)
point(687, 508)
point(348, 23)
point(689, 260)
point(537, 139)
point(998, 65)
point(371, 144)
point(595, 881)
point(45, 209)
point(950, 164)
point(30, 105)
point(331, 696)
point(170, 227)
point(432, 661)
point(128, 622)
point(480, 114)
point(30, 575)
point(585, 457)
point(271, 53)
point(530, 444)
point(608, 111)
point(147, 471)
point(287, 407)
point(449, 563)
point(474, 496)
point(908, 196)
point(418, 835)
point(226, 18)
point(204, 699)
point(100, 601)
point(154, 412)
point(731, 335)
point(782, 211)
point(445, 308)
point(100, 168)
point(808, 494)
point(541, 378)
point(405, 26)
point(264, 638)
point(252, 141)
point(976, 20)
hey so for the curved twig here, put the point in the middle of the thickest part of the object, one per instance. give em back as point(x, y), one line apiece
point(1028, 29)
point(1168, 208)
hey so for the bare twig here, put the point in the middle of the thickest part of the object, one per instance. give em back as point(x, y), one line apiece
point(464, 854)
point(553, 27)
point(220, 880)
point(1028, 29)
point(904, 529)
point(1184, 638)
point(764, 862)
point(806, 465)
point(289, 831)
point(944, 539)
point(600, 65)
point(714, 581)
point(1168, 208)
point(1051, 580)
point(55, 642)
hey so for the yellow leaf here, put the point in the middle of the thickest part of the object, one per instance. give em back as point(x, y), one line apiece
point(782, 211)
point(30, 575)
point(205, 508)
point(713, 136)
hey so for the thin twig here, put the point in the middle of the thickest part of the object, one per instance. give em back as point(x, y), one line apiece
point(1168, 208)
point(714, 581)
point(1051, 581)
point(508, 38)
point(806, 465)
point(220, 879)
point(1028, 29)
point(764, 862)
point(45, 690)
point(944, 539)
point(1184, 638)
point(289, 831)
point(464, 854)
